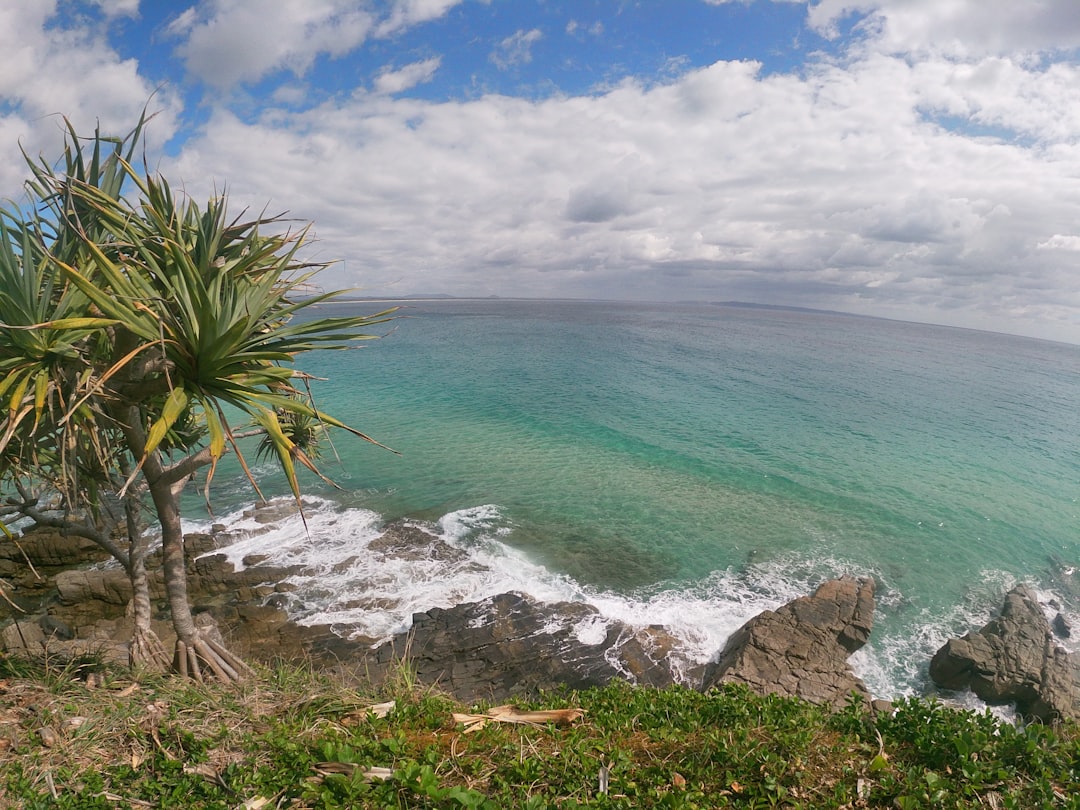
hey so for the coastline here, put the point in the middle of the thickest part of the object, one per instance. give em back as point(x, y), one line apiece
point(496, 647)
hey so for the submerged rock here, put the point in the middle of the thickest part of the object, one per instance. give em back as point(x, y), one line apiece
point(802, 648)
point(1013, 659)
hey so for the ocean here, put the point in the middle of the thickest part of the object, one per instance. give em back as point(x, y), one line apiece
point(687, 465)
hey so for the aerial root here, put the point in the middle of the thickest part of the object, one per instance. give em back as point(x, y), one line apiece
point(147, 651)
point(221, 663)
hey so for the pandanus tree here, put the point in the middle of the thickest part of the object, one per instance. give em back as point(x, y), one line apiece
point(58, 465)
point(177, 315)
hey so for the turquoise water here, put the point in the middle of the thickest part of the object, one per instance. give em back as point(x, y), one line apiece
point(703, 462)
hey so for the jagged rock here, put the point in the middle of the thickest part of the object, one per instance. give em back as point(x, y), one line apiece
point(802, 648)
point(109, 585)
point(1013, 659)
point(267, 512)
point(1061, 627)
point(22, 636)
point(509, 645)
point(213, 575)
point(406, 541)
point(50, 548)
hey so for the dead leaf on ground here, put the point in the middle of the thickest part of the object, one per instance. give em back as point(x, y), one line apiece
point(203, 770)
point(511, 714)
point(376, 709)
point(349, 768)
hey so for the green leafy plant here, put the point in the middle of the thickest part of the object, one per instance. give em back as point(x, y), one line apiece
point(132, 318)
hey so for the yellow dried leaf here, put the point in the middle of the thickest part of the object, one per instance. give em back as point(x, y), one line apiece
point(511, 714)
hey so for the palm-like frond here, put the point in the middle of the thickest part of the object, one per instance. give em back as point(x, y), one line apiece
point(215, 302)
point(161, 308)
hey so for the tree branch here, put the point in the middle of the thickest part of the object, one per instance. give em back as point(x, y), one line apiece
point(67, 526)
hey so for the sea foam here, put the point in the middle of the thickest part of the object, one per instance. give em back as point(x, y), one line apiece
point(343, 581)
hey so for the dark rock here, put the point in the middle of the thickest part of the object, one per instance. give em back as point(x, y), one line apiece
point(510, 645)
point(406, 541)
point(267, 512)
point(278, 600)
point(1061, 627)
point(802, 648)
point(54, 627)
point(1013, 659)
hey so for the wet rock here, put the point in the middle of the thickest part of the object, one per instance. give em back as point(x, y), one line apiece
point(1013, 659)
point(406, 541)
point(802, 648)
point(267, 512)
point(510, 645)
point(1061, 627)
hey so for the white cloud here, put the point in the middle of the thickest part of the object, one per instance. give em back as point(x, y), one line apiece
point(579, 29)
point(819, 190)
point(1058, 241)
point(118, 8)
point(967, 28)
point(397, 81)
point(928, 173)
point(48, 70)
point(234, 41)
point(407, 13)
point(516, 49)
point(230, 42)
point(184, 22)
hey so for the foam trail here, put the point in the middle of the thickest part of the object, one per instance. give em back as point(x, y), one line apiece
point(345, 578)
point(346, 581)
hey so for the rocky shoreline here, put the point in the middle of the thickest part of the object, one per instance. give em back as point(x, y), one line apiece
point(75, 602)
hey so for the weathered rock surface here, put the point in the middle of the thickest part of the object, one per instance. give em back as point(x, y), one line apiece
point(75, 609)
point(1013, 659)
point(802, 648)
point(499, 647)
point(510, 645)
point(109, 585)
point(50, 548)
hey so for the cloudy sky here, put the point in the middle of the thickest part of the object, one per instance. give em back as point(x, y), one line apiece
point(915, 159)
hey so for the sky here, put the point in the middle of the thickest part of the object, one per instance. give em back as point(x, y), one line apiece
point(912, 159)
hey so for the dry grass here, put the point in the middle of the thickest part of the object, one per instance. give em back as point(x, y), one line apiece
point(84, 737)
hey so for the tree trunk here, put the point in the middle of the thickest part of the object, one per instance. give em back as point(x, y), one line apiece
point(146, 650)
point(194, 649)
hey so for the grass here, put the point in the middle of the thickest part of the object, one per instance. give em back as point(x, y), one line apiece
point(84, 736)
